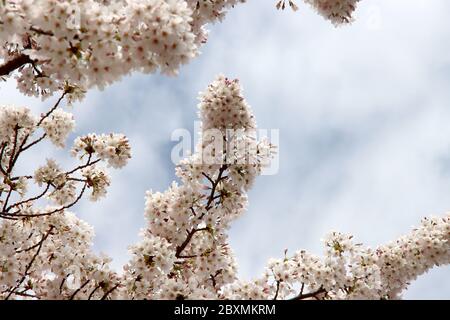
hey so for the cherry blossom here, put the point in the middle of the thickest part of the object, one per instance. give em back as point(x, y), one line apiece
point(92, 43)
point(68, 47)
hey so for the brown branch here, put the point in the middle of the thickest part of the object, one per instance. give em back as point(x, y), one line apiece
point(40, 31)
point(93, 291)
point(29, 248)
point(183, 246)
point(78, 290)
point(33, 143)
point(109, 292)
point(17, 214)
point(214, 186)
point(7, 217)
point(17, 178)
point(12, 156)
point(30, 199)
point(62, 283)
point(7, 199)
point(313, 294)
point(211, 198)
point(87, 164)
point(213, 277)
point(76, 179)
point(1, 157)
point(16, 63)
point(207, 177)
point(278, 290)
point(25, 139)
point(52, 109)
point(24, 294)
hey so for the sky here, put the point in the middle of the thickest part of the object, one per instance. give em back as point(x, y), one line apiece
point(362, 113)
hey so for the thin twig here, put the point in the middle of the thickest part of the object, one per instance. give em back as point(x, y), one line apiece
point(30, 199)
point(17, 214)
point(78, 290)
point(30, 264)
point(183, 246)
point(109, 291)
point(93, 291)
point(52, 109)
point(313, 294)
point(33, 143)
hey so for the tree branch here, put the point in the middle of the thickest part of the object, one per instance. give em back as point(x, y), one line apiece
point(183, 246)
point(30, 264)
point(33, 143)
point(30, 199)
point(78, 290)
point(87, 164)
point(109, 292)
point(16, 63)
point(17, 214)
point(313, 294)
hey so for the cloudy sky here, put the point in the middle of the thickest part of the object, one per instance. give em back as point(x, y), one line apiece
point(363, 113)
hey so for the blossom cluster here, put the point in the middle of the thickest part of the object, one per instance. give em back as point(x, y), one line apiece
point(113, 148)
point(45, 250)
point(337, 11)
point(93, 43)
point(189, 220)
point(349, 270)
point(51, 258)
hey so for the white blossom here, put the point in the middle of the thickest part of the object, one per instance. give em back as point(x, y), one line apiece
point(58, 125)
point(97, 179)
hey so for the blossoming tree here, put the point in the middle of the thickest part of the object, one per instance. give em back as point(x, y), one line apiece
point(67, 47)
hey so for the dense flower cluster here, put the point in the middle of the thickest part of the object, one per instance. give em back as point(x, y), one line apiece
point(189, 220)
point(350, 271)
point(51, 258)
point(337, 11)
point(113, 148)
point(45, 251)
point(93, 43)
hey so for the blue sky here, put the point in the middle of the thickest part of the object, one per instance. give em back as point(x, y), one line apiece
point(363, 113)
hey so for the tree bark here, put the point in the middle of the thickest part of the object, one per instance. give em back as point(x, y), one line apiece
point(11, 65)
